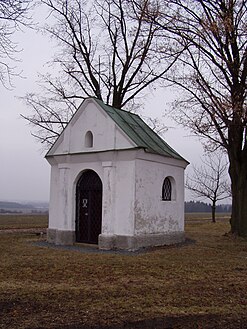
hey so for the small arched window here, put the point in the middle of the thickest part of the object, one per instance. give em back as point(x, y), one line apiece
point(89, 139)
point(167, 190)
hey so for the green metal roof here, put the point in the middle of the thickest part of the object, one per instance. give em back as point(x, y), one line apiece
point(139, 132)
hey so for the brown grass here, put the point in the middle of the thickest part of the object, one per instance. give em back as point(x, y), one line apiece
point(197, 285)
point(23, 221)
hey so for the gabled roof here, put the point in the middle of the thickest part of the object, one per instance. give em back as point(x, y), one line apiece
point(135, 128)
point(139, 132)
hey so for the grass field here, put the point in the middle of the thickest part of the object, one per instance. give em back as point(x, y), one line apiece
point(201, 284)
point(206, 216)
point(23, 221)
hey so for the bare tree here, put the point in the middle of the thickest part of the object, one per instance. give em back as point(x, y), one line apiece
point(13, 17)
point(212, 75)
point(107, 50)
point(210, 181)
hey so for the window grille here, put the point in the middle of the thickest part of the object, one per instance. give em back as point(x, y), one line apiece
point(167, 190)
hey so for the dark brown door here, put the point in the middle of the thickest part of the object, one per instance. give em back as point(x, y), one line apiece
point(88, 207)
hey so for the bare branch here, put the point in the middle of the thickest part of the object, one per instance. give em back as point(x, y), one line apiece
point(14, 15)
point(209, 181)
point(107, 49)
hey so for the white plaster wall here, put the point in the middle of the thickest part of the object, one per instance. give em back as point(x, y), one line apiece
point(118, 193)
point(91, 117)
point(95, 120)
point(54, 197)
point(62, 211)
point(131, 192)
point(152, 215)
point(125, 194)
point(118, 179)
point(64, 205)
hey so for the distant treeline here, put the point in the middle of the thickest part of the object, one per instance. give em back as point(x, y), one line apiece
point(198, 206)
point(15, 205)
point(8, 207)
point(190, 206)
point(4, 211)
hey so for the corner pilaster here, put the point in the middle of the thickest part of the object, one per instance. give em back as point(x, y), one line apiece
point(108, 213)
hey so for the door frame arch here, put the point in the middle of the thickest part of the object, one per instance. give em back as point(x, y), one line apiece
point(88, 207)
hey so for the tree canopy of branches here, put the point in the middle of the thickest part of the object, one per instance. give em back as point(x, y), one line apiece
point(212, 74)
point(13, 17)
point(107, 50)
point(209, 181)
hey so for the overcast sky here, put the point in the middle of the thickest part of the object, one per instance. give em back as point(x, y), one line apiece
point(24, 173)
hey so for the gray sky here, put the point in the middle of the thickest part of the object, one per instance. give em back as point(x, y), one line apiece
point(24, 173)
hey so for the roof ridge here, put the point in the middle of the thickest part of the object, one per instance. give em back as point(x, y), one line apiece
point(115, 108)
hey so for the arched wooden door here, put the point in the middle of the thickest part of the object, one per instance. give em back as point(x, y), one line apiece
point(88, 207)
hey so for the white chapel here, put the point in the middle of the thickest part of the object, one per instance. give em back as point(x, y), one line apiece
point(114, 182)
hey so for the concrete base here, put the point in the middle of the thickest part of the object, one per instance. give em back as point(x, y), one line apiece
point(123, 242)
point(60, 237)
point(131, 243)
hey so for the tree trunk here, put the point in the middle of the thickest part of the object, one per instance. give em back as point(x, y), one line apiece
point(238, 174)
point(213, 208)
